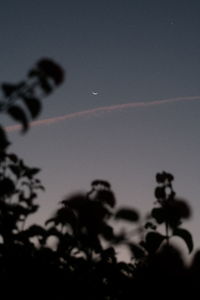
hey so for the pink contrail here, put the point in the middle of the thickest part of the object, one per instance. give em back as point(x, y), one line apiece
point(102, 109)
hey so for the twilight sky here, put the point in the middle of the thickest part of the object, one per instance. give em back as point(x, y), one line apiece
point(128, 51)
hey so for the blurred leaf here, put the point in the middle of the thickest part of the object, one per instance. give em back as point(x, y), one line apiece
point(30, 172)
point(158, 214)
point(137, 251)
point(33, 105)
point(160, 178)
point(13, 157)
point(51, 69)
point(36, 230)
point(33, 208)
point(127, 214)
point(51, 220)
point(109, 254)
point(76, 201)
point(186, 236)
point(169, 177)
point(153, 241)
point(18, 114)
point(8, 89)
point(124, 267)
point(64, 216)
point(34, 73)
point(19, 210)
point(53, 231)
point(15, 169)
point(4, 143)
point(40, 187)
point(107, 197)
point(103, 183)
point(119, 238)
point(45, 85)
point(163, 177)
point(107, 232)
point(181, 208)
point(160, 193)
point(7, 187)
point(150, 225)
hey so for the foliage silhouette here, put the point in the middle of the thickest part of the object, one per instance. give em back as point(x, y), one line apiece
point(41, 80)
point(75, 253)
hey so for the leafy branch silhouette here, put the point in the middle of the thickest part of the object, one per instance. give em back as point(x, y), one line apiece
point(170, 212)
point(21, 101)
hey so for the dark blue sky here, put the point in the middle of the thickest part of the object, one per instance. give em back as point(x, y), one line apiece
point(128, 51)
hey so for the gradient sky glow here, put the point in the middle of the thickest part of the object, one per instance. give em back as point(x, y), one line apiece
point(128, 51)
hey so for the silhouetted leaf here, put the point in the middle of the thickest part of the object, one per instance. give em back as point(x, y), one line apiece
point(15, 169)
point(34, 73)
point(19, 210)
point(160, 193)
point(4, 143)
point(52, 70)
point(51, 220)
point(125, 268)
point(30, 172)
point(40, 187)
point(7, 187)
point(181, 208)
point(150, 225)
point(64, 216)
point(158, 214)
point(45, 85)
point(13, 157)
point(186, 236)
point(162, 177)
point(153, 241)
point(76, 201)
point(53, 231)
point(169, 177)
point(18, 114)
point(109, 254)
point(36, 230)
point(119, 238)
point(33, 105)
point(107, 232)
point(127, 214)
point(103, 183)
point(137, 251)
point(8, 89)
point(107, 197)
point(33, 208)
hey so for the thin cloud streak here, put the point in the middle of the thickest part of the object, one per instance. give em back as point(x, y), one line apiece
point(94, 111)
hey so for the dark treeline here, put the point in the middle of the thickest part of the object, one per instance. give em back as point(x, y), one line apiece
point(74, 255)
